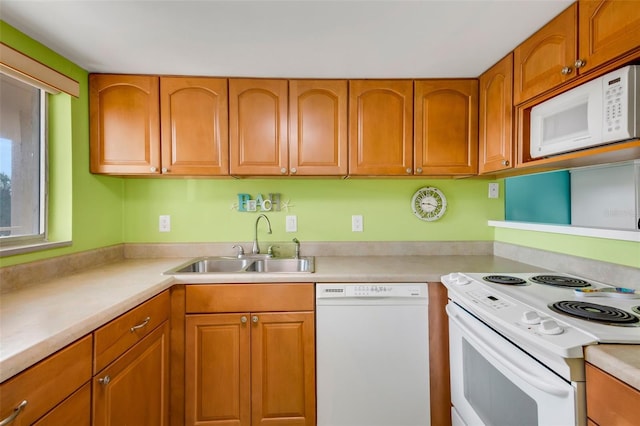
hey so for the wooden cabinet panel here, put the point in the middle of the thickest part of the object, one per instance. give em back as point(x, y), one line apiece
point(258, 125)
point(47, 383)
point(114, 338)
point(539, 61)
point(283, 369)
point(73, 411)
point(495, 140)
point(381, 127)
point(218, 370)
point(446, 127)
point(318, 127)
point(608, 28)
point(124, 116)
point(194, 119)
point(134, 390)
point(610, 401)
point(212, 298)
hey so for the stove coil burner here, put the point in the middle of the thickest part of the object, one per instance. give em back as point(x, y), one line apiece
point(504, 279)
point(636, 309)
point(594, 312)
point(559, 281)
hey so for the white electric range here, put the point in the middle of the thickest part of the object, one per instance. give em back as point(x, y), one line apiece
point(523, 335)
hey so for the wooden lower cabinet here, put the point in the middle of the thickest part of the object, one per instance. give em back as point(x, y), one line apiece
point(250, 369)
point(610, 402)
point(134, 389)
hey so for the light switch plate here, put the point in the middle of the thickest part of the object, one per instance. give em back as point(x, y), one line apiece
point(291, 224)
point(494, 190)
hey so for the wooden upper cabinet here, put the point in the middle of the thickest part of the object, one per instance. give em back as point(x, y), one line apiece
point(318, 127)
point(381, 127)
point(124, 124)
point(546, 59)
point(258, 124)
point(194, 117)
point(446, 127)
point(608, 28)
point(495, 141)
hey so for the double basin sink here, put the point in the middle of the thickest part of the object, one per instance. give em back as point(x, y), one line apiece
point(248, 264)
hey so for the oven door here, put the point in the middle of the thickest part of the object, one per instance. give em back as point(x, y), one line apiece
point(493, 382)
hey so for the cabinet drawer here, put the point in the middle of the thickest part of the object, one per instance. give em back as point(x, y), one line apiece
point(249, 297)
point(610, 401)
point(74, 411)
point(114, 338)
point(47, 383)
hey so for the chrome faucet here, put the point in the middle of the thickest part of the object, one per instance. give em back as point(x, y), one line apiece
point(256, 247)
point(297, 252)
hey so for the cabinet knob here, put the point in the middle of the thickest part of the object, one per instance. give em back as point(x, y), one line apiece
point(419, 170)
point(505, 162)
point(580, 63)
point(104, 380)
point(254, 319)
point(283, 170)
point(14, 414)
point(566, 70)
point(294, 170)
point(243, 319)
point(409, 170)
point(153, 169)
point(165, 170)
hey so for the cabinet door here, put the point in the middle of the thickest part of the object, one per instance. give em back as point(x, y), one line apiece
point(446, 127)
point(608, 28)
point(610, 401)
point(195, 139)
point(217, 370)
point(381, 127)
point(496, 117)
point(283, 369)
point(124, 124)
point(318, 127)
point(73, 411)
point(258, 127)
point(546, 59)
point(134, 389)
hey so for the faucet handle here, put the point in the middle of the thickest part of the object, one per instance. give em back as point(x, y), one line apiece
point(240, 252)
point(270, 252)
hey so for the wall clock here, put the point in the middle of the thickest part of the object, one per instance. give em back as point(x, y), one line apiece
point(429, 203)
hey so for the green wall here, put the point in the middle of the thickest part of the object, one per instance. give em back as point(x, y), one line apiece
point(97, 211)
point(201, 210)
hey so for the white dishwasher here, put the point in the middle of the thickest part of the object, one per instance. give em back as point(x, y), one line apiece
point(372, 354)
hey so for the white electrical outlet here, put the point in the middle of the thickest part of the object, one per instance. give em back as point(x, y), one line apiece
point(494, 190)
point(164, 224)
point(356, 223)
point(291, 224)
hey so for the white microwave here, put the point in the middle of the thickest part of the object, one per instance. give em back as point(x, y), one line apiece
point(601, 111)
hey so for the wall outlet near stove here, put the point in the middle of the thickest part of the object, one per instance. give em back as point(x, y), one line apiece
point(164, 223)
point(356, 223)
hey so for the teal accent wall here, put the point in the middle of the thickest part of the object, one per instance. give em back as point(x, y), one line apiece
point(98, 211)
point(539, 198)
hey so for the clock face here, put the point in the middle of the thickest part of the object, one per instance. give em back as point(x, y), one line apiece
point(429, 203)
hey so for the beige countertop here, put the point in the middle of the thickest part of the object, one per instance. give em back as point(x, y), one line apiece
point(621, 361)
point(38, 320)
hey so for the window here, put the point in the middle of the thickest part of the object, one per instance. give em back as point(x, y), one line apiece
point(23, 173)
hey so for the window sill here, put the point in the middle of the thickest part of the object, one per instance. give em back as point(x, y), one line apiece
point(12, 250)
point(609, 234)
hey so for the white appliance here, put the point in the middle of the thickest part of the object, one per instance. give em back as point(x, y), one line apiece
point(606, 196)
point(601, 111)
point(372, 354)
point(516, 344)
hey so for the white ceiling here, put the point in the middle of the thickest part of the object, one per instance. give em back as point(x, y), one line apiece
point(266, 38)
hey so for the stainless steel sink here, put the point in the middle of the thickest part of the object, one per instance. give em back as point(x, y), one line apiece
point(227, 264)
point(302, 264)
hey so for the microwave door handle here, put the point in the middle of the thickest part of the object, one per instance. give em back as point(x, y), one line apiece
point(515, 369)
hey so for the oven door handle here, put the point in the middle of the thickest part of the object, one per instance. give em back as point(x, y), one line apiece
point(511, 365)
